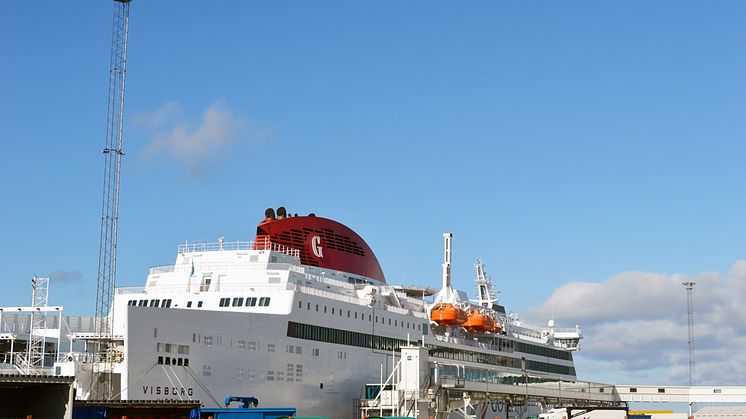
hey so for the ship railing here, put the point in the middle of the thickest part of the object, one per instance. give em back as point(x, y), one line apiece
point(114, 356)
point(162, 269)
point(468, 342)
point(218, 266)
point(419, 314)
point(130, 290)
point(568, 330)
point(222, 287)
point(397, 310)
point(265, 244)
point(526, 329)
point(328, 294)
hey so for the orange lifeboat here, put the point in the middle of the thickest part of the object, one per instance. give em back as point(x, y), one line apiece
point(446, 314)
point(479, 322)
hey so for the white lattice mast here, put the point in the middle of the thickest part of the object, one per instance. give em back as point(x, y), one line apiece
point(37, 335)
point(113, 152)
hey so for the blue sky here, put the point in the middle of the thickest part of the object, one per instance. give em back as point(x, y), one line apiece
point(563, 143)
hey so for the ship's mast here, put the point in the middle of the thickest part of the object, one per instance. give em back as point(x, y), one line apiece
point(446, 290)
point(113, 152)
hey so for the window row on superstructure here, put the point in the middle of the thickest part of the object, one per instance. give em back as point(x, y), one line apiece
point(500, 360)
point(343, 337)
point(362, 316)
point(239, 302)
point(150, 303)
point(542, 351)
point(365, 340)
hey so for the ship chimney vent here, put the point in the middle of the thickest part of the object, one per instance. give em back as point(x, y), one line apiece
point(269, 214)
point(281, 213)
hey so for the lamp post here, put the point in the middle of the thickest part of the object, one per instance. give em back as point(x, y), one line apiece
point(689, 285)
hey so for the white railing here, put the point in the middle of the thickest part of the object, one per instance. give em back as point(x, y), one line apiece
point(396, 310)
point(328, 294)
point(218, 266)
point(237, 245)
point(130, 290)
point(162, 269)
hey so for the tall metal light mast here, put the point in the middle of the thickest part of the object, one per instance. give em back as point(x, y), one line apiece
point(689, 285)
point(107, 258)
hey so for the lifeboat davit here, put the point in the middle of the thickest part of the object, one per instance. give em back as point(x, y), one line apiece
point(446, 314)
point(479, 322)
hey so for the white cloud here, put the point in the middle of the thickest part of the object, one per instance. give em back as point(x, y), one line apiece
point(635, 326)
point(200, 145)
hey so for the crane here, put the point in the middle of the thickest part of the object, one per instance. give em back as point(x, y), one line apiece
point(113, 153)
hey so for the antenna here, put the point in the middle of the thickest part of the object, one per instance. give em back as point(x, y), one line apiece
point(107, 258)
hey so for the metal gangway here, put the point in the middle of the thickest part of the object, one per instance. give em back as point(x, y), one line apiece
point(424, 388)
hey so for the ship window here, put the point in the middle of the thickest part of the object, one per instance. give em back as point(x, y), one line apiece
point(199, 304)
point(168, 360)
point(308, 306)
point(356, 314)
point(348, 313)
point(324, 309)
point(395, 322)
point(376, 319)
point(224, 302)
point(166, 303)
point(332, 310)
point(250, 301)
point(237, 302)
point(661, 390)
point(160, 360)
point(143, 303)
point(317, 307)
point(300, 304)
point(154, 303)
point(189, 304)
point(132, 302)
point(263, 301)
point(270, 347)
point(205, 285)
point(389, 322)
point(186, 362)
point(370, 317)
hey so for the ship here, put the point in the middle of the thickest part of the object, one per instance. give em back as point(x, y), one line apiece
point(301, 315)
